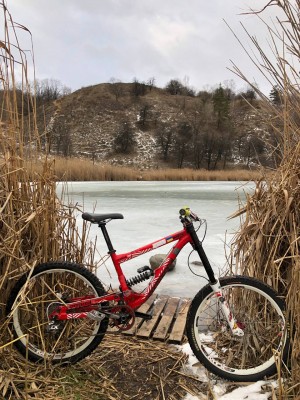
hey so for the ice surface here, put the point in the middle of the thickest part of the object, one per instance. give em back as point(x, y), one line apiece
point(150, 212)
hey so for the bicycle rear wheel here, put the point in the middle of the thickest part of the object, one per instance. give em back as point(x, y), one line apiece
point(34, 298)
point(258, 311)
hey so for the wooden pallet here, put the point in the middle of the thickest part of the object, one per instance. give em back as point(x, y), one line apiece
point(168, 319)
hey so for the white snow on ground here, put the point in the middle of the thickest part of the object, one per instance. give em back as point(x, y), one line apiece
point(193, 364)
point(250, 392)
point(253, 391)
point(191, 397)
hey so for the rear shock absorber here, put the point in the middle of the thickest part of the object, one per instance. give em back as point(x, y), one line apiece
point(144, 274)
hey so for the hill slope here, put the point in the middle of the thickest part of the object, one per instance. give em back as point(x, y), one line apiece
point(167, 130)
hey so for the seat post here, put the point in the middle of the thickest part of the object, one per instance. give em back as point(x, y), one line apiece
point(102, 225)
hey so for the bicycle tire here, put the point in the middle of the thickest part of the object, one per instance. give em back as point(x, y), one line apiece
point(261, 314)
point(28, 304)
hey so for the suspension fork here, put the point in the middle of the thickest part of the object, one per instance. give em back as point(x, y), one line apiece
point(232, 322)
point(214, 283)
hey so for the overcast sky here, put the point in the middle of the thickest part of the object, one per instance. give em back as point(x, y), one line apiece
point(86, 42)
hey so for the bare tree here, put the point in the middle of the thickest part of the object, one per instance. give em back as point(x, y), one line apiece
point(116, 87)
point(138, 88)
point(151, 83)
point(165, 135)
point(183, 142)
point(174, 86)
point(46, 90)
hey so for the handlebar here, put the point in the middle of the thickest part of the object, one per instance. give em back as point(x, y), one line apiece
point(186, 215)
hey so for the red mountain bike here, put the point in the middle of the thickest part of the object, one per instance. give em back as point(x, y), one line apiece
point(235, 326)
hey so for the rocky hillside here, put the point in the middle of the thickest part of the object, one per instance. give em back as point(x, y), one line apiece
point(164, 129)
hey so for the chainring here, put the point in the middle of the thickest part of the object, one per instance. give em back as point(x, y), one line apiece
point(126, 317)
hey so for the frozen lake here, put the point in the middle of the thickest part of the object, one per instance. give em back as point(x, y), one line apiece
point(150, 212)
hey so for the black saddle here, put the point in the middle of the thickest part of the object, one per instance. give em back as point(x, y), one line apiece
point(97, 218)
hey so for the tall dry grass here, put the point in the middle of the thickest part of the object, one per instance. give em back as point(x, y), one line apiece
point(34, 225)
point(201, 175)
point(267, 245)
point(75, 169)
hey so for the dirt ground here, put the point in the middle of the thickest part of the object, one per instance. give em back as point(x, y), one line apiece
point(121, 368)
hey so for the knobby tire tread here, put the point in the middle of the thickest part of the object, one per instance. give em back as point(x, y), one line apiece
point(68, 266)
point(196, 302)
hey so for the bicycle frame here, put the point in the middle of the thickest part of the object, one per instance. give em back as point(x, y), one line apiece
point(59, 311)
point(82, 306)
point(126, 294)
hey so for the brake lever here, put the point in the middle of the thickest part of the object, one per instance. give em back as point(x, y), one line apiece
point(194, 216)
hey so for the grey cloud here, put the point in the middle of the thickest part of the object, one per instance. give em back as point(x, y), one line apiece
point(87, 42)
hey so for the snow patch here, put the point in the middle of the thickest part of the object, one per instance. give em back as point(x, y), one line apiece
point(260, 390)
point(250, 392)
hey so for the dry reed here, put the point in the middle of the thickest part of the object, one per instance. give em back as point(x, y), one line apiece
point(34, 225)
point(75, 169)
point(150, 370)
point(201, 175)
point(267, 245)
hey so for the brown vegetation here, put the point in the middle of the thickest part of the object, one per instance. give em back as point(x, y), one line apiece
point(34, 227)
point(78, 169)
point(267, 245)
point(150, 370)
point(215, 129)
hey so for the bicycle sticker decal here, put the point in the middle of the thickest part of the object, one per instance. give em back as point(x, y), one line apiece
point(159, 243)
point(132, 255)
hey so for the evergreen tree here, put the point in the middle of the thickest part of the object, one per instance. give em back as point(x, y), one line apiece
point(221, 104)
point(144, 116)
point(125, 139)
point(276, 95)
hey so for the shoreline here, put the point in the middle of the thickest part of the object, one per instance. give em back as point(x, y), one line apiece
point(85, 170)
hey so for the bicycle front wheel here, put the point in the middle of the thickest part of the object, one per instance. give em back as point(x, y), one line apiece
point(258, 311)
point(33, 299)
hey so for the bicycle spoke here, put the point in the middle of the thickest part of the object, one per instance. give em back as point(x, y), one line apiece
point(260, 318)
point(39, 298)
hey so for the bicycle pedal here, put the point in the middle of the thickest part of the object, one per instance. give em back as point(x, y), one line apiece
point(143, 315)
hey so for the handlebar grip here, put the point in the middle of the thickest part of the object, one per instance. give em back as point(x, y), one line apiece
point(185, 211)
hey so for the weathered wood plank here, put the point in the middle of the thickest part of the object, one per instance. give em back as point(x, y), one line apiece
point(148, 326)
point(179, 325)
point(144, 309)
point(132, 331)
point(164, 324)
point(167, 323)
